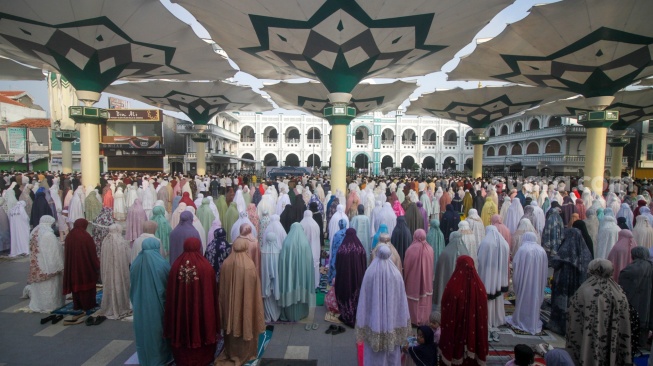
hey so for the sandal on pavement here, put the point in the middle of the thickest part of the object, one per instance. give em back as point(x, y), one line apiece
point(315, 326)
point(98, 320)
point(308, 326)
point(73, 321)
point(89, 321)
point(57, 319)
point(340, 329)
point(47, 318)
point(332, 328)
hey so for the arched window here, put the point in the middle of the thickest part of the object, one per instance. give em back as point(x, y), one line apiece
point(516, 150)
point(534, 124)
point(492, 132)
point(429, 138)
point(247, 134)
point(408, 137)
point(552, 147)
point(503, 151)
point(555, 121)
point(490, 151)
point(532, 149)
point(450, 138)
point(270, 134)
point(292, 135)
point(504, 130)
point(387, 136)
point(518, 127)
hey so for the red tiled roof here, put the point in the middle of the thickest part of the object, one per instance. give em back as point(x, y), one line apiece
point(7, 100)
point(12, 93)
point(31, 123)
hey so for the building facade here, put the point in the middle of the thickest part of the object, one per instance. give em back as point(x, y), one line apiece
point(539, 144)
point(376, 142)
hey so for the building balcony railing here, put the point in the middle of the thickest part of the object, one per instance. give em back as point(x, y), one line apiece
point(427, 142)
point(247, 139)
point(270, 139)
point(408, 142)
point(387, 142)
point(539, 133)
point(450, 143)
point(549, 159)
point(210, 129)
point(314, 141)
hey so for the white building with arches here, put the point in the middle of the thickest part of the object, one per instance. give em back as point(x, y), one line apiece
point(375, 141)
point(539, 144)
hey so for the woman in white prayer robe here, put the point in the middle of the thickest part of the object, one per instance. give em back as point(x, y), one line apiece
point(493, 253)
point(333, 224)
point(525, 226)
point(469, 240)
point(274, 226)
point(19, 227)
point(76, 208)
point(529, 278)
point(119, 209)
point(176, 215)
point(312, 231)
point(642, 233)
point(10, 197)
point(242, 219)
point(515, 213)
point(45, 279)
point(476, 224)
point(130, 196)
point(608, 236)
point(387, 216)
point(504, 208)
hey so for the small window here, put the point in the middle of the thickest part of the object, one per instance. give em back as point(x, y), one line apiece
point(649, 152)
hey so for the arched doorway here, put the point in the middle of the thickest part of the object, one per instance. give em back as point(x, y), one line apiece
point(292, 135)
point(270, 160)
point(314, 135)
point(449, 163)
point(270, 134)
point(429, 137)
point(428, 163)
point(362, 135)
point(407, 162)
point(313, 161)
point(450, 138)
point(469, 164)
point(247, 134)
point(408, 137)
point(292, 160)
point(387, 162)
point(387, 136)
point(247, 156)
point(518, 127)
point(362, 162)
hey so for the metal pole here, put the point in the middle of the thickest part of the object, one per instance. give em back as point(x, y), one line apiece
point(27, 147)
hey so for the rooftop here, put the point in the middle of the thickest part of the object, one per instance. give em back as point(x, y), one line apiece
point(31, 123)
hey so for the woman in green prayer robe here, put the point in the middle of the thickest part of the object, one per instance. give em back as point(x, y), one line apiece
point(163, 229)
point(205, 215)
point(230, 217)
point(296, 277)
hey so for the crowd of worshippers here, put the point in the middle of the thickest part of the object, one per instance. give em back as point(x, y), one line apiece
point(196, 260)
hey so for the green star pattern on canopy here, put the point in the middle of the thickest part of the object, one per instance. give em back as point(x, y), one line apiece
point(94, 43)
point(200, 101)
point(590, 47)
point(341, 42)
point(310, 97)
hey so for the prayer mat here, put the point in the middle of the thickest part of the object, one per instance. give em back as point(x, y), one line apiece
point(283, 362)
point(331, 318)
point(497, 357)
point(509, 308)
point(263, 340)
point(68, 308)
point(517, 331)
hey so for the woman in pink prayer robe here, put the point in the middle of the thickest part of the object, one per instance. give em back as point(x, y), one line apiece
point(418, 277)
point(620, 253)
point(503, 229)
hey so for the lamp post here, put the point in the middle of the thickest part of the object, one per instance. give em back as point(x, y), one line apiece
point(27, 147)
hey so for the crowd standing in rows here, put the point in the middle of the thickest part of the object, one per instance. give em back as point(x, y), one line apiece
point(199, 259)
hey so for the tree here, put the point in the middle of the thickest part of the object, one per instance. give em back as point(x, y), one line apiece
point(415, 166)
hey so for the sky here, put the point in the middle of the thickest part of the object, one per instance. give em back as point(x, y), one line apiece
point(428, 83)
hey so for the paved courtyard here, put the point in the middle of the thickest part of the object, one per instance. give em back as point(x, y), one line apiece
point(24, 341)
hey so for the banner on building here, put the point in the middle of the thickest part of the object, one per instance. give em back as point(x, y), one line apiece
point(134, 152)
point(117, 103)
point(131, 142)
point(16, 140)
point(134, 115)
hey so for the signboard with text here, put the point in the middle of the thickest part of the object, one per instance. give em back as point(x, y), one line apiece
point(134, 152)
point(134, 115)
point(117, 103)
point(132, 142)
point(16, 140)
